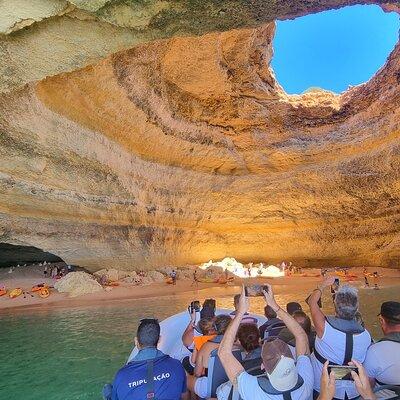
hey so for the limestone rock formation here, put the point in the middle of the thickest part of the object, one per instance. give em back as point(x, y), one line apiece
point(185, 149)
point(77, 283)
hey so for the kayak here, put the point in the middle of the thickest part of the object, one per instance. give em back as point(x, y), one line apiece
point(44, 292)
point(172, 329)
point(3, 292)
point(38, 288)
point(15, 293)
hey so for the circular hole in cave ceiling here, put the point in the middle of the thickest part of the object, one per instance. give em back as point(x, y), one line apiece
point(333, 50)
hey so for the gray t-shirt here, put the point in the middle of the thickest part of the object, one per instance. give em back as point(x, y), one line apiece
point(383, 364)
point(250, 390)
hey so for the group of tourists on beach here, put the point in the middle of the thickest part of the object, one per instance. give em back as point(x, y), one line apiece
point(290, 356)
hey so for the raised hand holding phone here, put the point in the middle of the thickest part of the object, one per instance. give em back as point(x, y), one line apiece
point(244, 305)
point(269, 297)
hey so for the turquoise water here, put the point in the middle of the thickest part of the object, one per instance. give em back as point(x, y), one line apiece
point(69, 354)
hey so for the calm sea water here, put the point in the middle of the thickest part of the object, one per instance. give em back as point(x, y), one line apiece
point(68, 354)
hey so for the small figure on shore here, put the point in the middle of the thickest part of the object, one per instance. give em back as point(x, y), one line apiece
point(45, 271)
point(376, 279)
point(173, 276)
point(195, 279)
point(366, 281)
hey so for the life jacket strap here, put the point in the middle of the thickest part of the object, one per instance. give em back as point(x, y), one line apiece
point(150, 380)
point(348, 353)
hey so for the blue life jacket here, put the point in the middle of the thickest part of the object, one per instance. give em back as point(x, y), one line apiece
point(150, 375)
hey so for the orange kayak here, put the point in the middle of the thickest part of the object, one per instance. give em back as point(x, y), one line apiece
point(15, 293)
point(3, 292)
point(38, 288)
point(44, 292)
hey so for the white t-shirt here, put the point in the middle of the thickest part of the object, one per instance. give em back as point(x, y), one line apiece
point(383, 363)
point(332, 346)
point(250, 390)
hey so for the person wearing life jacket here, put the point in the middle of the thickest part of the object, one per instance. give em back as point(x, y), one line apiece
point(382, 362)
point(206, 327)
point(305, 322)
point(151, 374)
point(248, 336)
point(339, 338)
point(273, 326)
point(246, 318)
point(283, 379)
point(198, 383)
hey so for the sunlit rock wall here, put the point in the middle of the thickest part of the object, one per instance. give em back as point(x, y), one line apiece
point(179, 150)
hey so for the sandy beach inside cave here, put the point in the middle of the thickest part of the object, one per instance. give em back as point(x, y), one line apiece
point(26, 277)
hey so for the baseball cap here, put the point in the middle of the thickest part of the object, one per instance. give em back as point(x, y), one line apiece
point(391, 311)
point(279, 364)
point(292, 307)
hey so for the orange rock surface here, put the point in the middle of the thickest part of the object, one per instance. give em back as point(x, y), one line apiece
point(186, 149)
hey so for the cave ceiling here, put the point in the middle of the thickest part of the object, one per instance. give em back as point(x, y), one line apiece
point(136, 134)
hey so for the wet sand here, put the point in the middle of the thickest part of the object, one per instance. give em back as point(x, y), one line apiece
point(26, 277)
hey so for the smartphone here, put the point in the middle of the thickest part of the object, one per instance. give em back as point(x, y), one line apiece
point(319, 302)
point(255, 290)
point(194, 306)
point(342, 372)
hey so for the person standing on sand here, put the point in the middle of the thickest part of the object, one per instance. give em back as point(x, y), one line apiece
point(173, 276)
point(195, 280)
point(376, 279)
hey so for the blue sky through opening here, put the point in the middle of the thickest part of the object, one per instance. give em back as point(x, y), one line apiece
point(333, 49)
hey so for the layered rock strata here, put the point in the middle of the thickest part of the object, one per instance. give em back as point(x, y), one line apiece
point(181, 150)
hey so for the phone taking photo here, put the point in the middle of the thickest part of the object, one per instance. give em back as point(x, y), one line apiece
point(255, 290)
point(342, 372)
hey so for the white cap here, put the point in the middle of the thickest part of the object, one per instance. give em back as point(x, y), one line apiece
point(284, 376)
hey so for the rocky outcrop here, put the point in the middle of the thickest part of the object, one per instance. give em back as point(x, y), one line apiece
point(77, 283)
point(182, 150)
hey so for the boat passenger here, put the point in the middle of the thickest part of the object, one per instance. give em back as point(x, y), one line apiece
point(305, 322)
point(283, 376)
point(339, 338)
point(199, 382)
point(246, 318)
point(292, 307)
point(273, 326)
point(382, 362)
point(151, 373)
point(249, 338)
point(207, 330)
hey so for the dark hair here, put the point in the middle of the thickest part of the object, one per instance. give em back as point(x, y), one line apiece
point(206, 326)
point(210, 303)
point(249, 336)
point(304, 321)
point(148, 333)
point(292, 307)
point(269, 312)
point(221, 323)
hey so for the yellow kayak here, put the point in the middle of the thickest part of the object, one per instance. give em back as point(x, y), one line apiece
point(15, 293)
